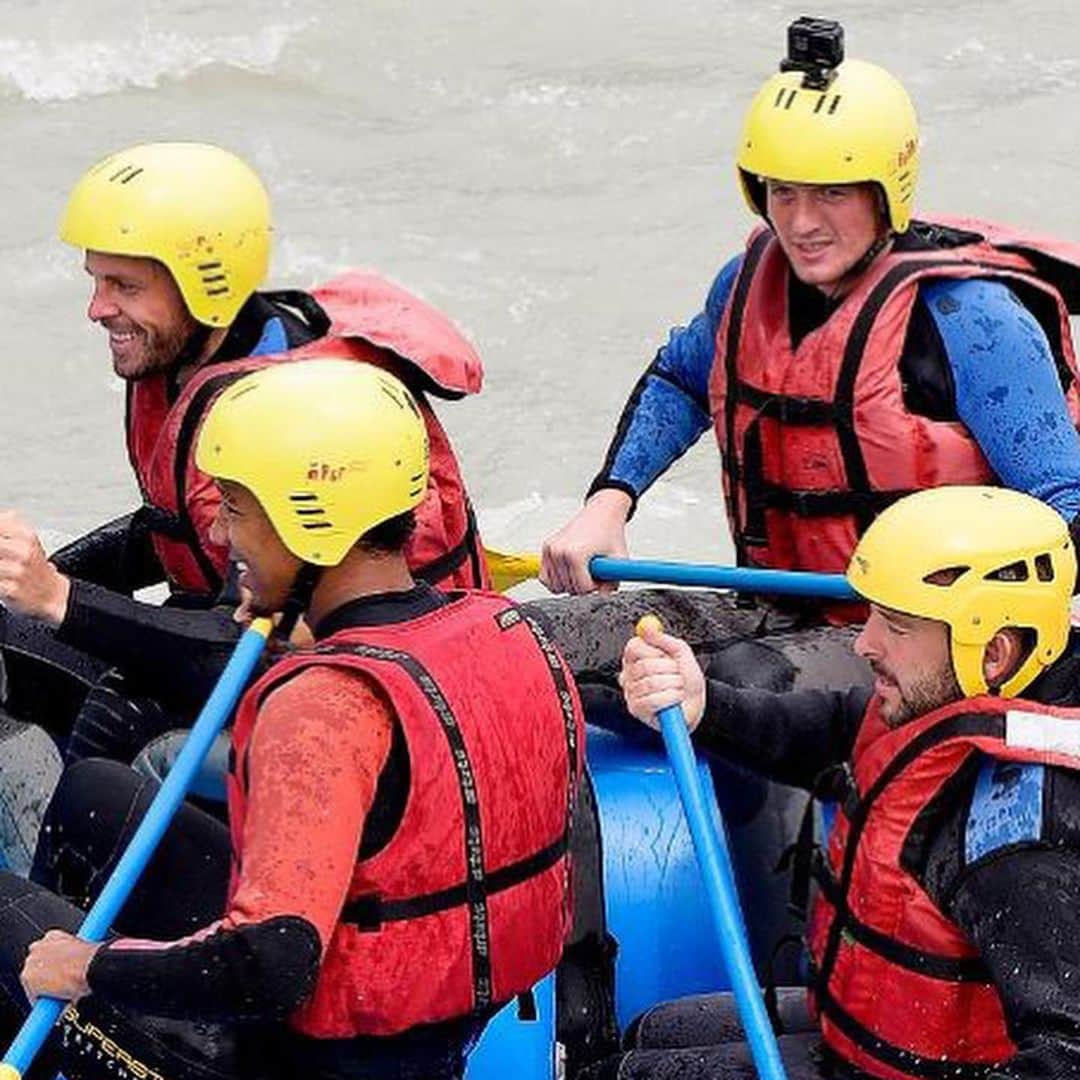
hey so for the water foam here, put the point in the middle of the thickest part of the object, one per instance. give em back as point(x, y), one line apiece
point(46, 70)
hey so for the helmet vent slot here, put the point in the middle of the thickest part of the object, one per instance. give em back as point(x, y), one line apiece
point(1044, 567)
point(946, 576)
point(835, 104)
point(214, 278)
point(309, 508)
point(392, 394)
point(126, 174)
point(785, 98)
point(1014, 571)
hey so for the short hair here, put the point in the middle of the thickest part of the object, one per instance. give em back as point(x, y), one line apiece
point(390, 536)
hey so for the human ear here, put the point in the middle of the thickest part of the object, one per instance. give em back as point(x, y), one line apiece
point(1002, 656)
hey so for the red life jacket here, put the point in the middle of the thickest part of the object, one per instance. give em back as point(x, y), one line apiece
point(816, 441)
point(898, 986)
point(468, 903)
point(372, 320)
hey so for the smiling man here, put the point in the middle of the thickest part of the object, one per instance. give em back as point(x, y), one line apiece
point(176, 240)
point(852, 354)
point(942, 938)
point(138, 304)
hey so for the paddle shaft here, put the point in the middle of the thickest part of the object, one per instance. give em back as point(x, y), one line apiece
point(114, 895)
point(737, 578)
point(710, 845)
point(510, 569)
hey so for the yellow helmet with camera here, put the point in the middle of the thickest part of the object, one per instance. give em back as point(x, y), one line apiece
point(857, 126)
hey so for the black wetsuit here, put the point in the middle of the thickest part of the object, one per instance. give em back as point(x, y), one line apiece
point(1018, 899)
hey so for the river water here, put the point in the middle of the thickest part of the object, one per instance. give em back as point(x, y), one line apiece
point(558, 176)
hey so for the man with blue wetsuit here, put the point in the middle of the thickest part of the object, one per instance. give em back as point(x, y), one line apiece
point(852, 354)
point(849, 356)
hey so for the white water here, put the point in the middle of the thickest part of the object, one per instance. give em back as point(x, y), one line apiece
point(556, 175)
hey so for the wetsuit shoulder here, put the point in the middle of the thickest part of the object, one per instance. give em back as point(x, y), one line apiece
point(271, 323)
point(998, 850)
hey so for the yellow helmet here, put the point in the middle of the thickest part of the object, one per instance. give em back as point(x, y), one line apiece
point(329, 449)
point(196, 208)
point(1003, 559)
point(860, 128)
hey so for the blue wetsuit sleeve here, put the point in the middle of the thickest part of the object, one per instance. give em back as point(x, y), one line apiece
point(669, 407)
point(1008, 393)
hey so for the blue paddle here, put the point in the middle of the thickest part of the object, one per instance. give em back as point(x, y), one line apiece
point(113, 896)
point(738, 578)
point(510, 569)
point(714, 860)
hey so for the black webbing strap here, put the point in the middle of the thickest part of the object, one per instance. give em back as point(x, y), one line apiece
point(442, 566)
point(476, 885)
point(857, 813)
point(371, 912)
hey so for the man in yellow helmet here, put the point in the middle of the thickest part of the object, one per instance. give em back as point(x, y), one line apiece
point(942, 936)
point(852, 354)
point(399, 802)
point(177, 242)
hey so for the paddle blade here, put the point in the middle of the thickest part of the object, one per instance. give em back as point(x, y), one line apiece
point(509, 569)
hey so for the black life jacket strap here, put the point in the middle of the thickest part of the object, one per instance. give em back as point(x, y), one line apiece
point(371, 912)
point(896, 1057)
point(804, 857)
point(442, 566)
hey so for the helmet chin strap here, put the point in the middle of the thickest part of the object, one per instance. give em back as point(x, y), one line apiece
point(871, 253)
point(298, 600)
point(879, 244)
point(862, 262)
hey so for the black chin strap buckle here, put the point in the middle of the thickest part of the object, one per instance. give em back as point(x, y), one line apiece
point(298, 600)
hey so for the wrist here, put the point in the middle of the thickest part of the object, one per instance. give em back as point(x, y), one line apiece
point(604, 482)
point(613, 503)
point(55, 609)
point(693, 711)
point(93, 963)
